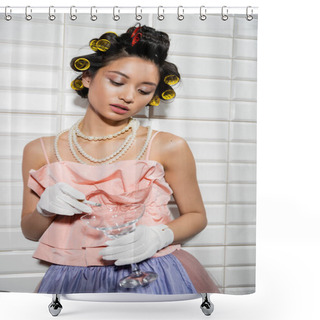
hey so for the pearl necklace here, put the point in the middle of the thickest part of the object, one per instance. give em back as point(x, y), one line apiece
point(117, 154)
point(108, 159)
point(145, 144)
point(79, 148)
point(107, 137)
point(56, 144)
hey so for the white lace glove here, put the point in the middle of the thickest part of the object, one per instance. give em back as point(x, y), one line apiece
point(62, 199)
point(139, 245)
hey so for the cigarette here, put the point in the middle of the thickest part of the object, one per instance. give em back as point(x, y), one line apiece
point(92, 203)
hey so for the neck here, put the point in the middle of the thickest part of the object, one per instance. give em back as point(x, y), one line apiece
point(97, 126)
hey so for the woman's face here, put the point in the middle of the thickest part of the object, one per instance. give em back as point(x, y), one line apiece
point(123, 87)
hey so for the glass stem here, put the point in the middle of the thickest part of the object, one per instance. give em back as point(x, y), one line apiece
point(135, 269)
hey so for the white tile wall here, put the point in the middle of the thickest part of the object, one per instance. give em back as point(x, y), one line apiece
point(215, 111)
point(12, 239)
point(209, 151)
point(240, 235)
point(193, 130)
point(33, 56)
point(10, 169)
point(29, 101)
point(214, 46)
point(10, 194)
point(26, 282)
point(42, 33)
point(239, 277)
point(184, 109)
point(244, 152)
point(241, 193)
point(212, 256)
point(241, 214)
point(244, 49)
point(12, 261)
point(240, 255)
point(10, 216)
point(25, 78)
point(11, 123)
point(243, 111)
point(212, 172)
point(217, 274)
point(12, 146)
point(244, 90)
point(197, 88)
point(213, 192)
point(206, 67)
point(211, 235)
point(242, 172)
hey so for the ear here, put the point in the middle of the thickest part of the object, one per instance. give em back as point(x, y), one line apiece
point(86, 79)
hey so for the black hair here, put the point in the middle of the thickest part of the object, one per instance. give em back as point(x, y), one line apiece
point(152, 45)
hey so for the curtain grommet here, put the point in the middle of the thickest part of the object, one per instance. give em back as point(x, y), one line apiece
point(116, 17)
point(73, 17)
point(52, 16)
point(224, 13)
point(249, 17)
point(180, 15)
point(138, 16)
point(203, 13)
point(160, 16)
point(28, 16)
point(8, 17)
point(93, 17)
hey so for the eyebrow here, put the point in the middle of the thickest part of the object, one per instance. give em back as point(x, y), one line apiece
point(124, 75)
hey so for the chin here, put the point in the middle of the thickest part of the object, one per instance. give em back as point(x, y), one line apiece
point(114, 117)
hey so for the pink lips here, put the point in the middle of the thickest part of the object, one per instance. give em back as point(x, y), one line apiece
point(118, 108)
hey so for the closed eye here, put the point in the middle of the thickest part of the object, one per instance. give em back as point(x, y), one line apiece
point(144, 92)
point(116, 83)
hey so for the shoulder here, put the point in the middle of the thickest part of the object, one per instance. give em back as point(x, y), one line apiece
point(32, 148)
point(170, 142)
point(170, 147)
point(33, 153)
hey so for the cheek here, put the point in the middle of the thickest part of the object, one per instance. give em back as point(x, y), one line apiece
point(103, 90)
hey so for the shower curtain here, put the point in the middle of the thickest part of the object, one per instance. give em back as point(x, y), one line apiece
point(214, 111)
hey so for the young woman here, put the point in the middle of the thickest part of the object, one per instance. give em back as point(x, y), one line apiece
point(108, 158)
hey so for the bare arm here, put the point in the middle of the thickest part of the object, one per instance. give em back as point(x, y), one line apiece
point(33, 224)
point(180, 173)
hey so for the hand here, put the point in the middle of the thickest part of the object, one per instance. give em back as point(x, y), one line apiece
point(138, 245)
point(62, 199)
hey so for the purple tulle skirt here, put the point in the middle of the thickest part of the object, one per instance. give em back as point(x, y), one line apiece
point(172, 278)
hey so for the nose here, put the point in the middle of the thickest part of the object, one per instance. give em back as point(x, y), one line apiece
point(127, 94)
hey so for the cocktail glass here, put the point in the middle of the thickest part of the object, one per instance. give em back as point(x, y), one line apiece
point(115, 221)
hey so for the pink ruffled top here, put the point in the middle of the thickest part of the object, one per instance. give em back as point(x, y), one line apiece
point(68, 241)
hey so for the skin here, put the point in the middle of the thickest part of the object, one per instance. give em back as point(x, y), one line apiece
point(129, 81)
